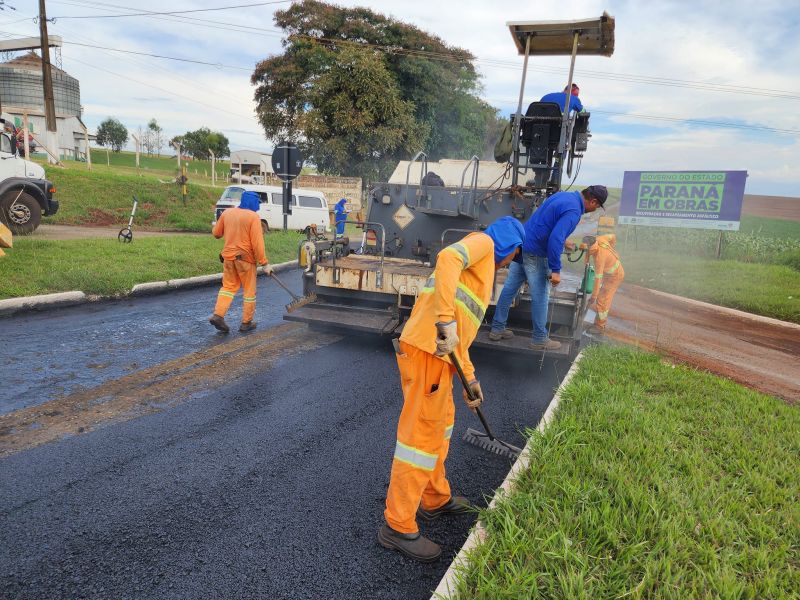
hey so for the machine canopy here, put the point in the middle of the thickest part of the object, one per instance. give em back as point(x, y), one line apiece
point(552, 38)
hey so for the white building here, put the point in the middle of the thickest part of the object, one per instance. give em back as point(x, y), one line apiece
point(250, 163)
point(22, 96)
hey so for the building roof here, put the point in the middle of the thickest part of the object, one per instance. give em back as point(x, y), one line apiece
point(30, 62)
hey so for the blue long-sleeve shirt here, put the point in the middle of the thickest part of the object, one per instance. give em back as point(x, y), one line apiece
point(558, 98)
point(550, 226)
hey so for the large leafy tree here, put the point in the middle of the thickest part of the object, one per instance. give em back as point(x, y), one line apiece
point(112, 133)
point(197, 143)
point(359, 91)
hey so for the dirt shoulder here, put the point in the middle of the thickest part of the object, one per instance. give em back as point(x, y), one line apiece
point(74, 232)
point(757, 352)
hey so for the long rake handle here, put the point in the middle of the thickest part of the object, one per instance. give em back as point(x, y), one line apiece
point(280, 283)
point(465, 383)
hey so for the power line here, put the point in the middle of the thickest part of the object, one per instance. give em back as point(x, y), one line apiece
point(175, 58)
point(496, 63)
point(173, 12)
point(699, 122)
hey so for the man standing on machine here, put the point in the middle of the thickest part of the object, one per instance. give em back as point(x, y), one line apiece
point(244, 248)
point(546, 234)
point(445, 319)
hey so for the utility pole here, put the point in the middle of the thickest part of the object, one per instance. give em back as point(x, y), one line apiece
point(213, 167)
point(47, 80)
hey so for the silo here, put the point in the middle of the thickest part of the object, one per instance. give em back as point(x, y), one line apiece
point(21, 87)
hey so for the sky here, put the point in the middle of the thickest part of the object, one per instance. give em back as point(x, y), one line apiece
point(731, 62)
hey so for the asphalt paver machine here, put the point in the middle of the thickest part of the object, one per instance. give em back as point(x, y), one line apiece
point(372, 287)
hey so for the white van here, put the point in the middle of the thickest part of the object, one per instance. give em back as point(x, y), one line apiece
point(309, 207)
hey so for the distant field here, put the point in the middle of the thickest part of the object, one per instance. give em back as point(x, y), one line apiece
point(165, 164)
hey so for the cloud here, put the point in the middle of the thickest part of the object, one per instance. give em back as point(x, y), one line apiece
point(733, 43)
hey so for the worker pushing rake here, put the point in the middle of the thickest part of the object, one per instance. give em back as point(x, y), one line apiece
point(433, 346)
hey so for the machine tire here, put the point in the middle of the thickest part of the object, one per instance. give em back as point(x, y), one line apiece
point(27, 213)
point(264, 227)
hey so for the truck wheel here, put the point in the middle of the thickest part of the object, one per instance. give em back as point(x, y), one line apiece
point(264, 227)
point(21, 214)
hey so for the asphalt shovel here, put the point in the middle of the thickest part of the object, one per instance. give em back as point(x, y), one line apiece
point(486, 441)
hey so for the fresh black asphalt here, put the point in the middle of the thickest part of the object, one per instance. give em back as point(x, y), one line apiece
point(270, 487)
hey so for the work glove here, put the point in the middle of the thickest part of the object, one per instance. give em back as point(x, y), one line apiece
point(267, 269)
point(569, 246)
point(592, 302)
point(446, 338)
point(477, 393)
point(555, 278)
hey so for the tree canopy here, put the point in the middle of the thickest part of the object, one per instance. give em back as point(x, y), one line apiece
point(359, 91)
point(112, 133)
point(198, 143)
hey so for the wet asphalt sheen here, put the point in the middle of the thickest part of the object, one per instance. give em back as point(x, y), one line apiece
point(271, 487)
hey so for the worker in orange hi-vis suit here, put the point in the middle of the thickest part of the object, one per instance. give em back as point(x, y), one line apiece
point(244, 247)
point(608, 277)
point(445, 318)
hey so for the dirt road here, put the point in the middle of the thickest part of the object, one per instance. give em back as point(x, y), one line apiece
point(755, 351)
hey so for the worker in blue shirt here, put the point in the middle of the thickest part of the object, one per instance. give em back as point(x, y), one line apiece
point(559, 98)
point(546, 234)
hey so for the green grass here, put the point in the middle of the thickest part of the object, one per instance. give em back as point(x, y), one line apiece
point(774, 228)
point(108, 267)
point(654, 481)
point(100, 197)
point(159, 164)
point(769, 290)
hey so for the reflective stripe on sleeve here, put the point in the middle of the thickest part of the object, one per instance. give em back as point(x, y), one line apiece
point(462, 251)
point(415, 457)
point(448, 433)
point(474, 308)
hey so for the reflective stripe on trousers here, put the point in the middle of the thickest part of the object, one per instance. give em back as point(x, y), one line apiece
point(423, 438)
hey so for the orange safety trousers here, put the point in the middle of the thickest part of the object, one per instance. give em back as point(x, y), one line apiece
point(236, 274)
point(606, 295)
point(423, 438)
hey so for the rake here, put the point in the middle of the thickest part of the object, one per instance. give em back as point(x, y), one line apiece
point(297, 301)
point(486, 441)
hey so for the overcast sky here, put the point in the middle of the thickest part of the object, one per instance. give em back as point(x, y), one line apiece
point(734, 43)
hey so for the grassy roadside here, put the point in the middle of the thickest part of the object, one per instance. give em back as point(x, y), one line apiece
point(104, 198)
point(108, 267)
point(763, 289)
point(654, 481)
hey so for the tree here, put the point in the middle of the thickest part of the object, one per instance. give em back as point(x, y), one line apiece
point(112, 133)
point(197, 143)
point(324, 45)
point(155, 137)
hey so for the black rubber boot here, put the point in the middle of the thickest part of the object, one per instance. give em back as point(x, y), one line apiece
point(457, 505)
point(219, 323)
point(413, 545)
point(249, 326)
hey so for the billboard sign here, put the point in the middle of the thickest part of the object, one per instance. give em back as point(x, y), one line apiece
point(693, 199)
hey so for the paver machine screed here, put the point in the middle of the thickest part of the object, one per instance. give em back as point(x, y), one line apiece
point(373, 288)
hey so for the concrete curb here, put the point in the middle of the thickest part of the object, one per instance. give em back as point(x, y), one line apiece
point(29, 303)
point(447, 585)
point(14, 305)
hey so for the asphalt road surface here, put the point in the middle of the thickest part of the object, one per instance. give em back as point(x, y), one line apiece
point(195, 465)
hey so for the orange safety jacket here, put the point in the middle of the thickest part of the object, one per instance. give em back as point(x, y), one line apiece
point(606, 260)
point(459, 288)
point(241, 228)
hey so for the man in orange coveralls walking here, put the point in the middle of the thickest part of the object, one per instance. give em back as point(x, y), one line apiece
point(445, 319)
point(244, 247)
point(609, 275)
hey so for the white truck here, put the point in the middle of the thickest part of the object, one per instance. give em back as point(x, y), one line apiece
point(25, 194)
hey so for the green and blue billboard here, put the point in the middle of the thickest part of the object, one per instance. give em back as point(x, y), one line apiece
point(693, 199)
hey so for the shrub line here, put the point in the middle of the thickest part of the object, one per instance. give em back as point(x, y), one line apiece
point(447, 585)
point(13, 306)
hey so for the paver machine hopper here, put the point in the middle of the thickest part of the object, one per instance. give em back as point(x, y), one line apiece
point(372, 287)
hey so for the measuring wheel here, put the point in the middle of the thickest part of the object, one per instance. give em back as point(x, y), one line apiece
point(125, 235)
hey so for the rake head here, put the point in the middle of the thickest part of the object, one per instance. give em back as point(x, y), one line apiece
point(300, 302)
point(482, 440)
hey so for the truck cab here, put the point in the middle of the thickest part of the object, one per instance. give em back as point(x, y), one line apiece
point(25, 194)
